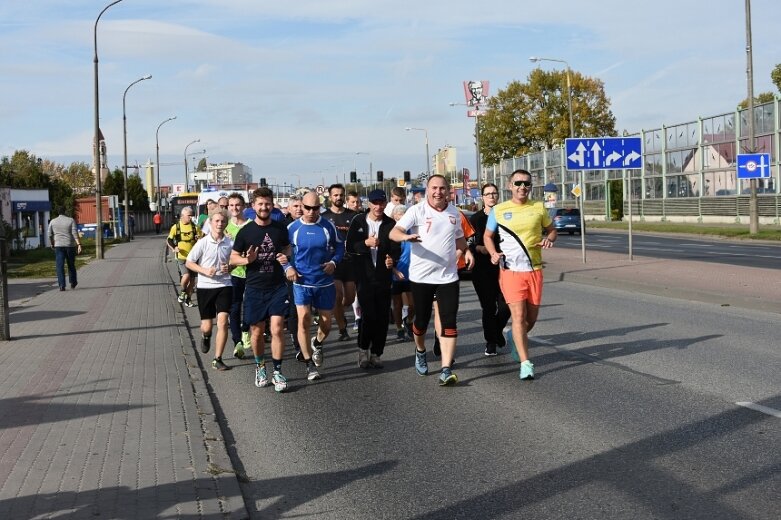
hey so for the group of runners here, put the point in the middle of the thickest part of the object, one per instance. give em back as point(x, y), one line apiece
point(255, 273)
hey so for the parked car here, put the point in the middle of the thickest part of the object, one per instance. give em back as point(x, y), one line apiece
point(566, 219)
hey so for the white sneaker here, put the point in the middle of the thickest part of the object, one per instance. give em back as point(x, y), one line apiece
point(261, 379)
point(375, 361)
point(317, 354)
point(280, 381)
point(363, 358)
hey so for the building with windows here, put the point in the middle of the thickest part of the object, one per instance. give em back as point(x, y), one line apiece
point(222, 174)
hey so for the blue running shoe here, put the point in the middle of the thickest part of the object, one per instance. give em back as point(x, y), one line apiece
point(447, 378)
point(421, 365)
point(527, 371)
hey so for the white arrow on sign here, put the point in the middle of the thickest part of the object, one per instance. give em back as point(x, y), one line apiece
point(631, 158)
point(612, 158)
point(595, 149)
point(579, 155)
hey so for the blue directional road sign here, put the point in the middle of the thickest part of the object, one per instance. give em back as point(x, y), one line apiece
point(604, 153)
point(753, 165)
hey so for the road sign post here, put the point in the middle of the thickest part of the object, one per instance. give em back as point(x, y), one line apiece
point(606, 153)
point(753, 166)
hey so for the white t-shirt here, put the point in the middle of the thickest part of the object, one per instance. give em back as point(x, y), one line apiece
point(433, 259)
point(374, 230)
point(207, 252)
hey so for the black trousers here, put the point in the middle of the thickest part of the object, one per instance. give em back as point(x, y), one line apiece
point(495, 313)
point(375, 302)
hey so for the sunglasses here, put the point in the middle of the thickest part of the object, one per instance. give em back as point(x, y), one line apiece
point(527, 184)
point(311, 208)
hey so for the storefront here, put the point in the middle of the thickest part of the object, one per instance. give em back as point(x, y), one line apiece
point(30, 215)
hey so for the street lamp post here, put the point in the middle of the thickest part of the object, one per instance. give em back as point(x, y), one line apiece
point(124, 136)
point(185, 162)
point(753, 204)
point(157, 163)
point(535, 59)
point(96, 151)
point(428, 156)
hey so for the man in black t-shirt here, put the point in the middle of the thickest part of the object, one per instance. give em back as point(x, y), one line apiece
point(344, 278)
point(263, 245)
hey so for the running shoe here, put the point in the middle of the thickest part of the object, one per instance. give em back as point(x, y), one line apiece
point(317, 354)
point(363, 358)
point(205, 344)
point(245, 340)
point(312, 373)
point(280, 381)
point(421, 365)
point(217, 364)
point(182, 296)
point(238, 350)
point(375, 361)
point(300, 356)
point(447, 378)
point(490, 349)
point(401, 334)
point(357, 324)
point(261, 379)
point(343, 336)
point(437, 350)
point(188, 302)
point(316, 319)
point(527, 371)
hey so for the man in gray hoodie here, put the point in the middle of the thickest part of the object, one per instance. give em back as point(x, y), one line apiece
point(66, 243)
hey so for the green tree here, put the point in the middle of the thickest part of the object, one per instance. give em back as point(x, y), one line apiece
point(136, 193)
point(531, 116)
point(25, 170)
point(764, 97)
point(775, 76)
point(115, 184)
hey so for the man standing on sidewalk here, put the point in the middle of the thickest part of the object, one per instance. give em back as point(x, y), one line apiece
point(374, 255)
point(64, 238)
point(261, 245)
point(316, 252)
point(210, 258)
point(519, 223)
point(436, 234)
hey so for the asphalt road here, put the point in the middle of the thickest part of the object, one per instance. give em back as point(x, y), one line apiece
point(633, 415)
point(748, 254)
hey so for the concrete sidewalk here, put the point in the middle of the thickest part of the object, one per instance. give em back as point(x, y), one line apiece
point(103, 409)
point(716, 283)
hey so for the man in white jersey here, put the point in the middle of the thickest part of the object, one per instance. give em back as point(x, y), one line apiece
point(435, 234)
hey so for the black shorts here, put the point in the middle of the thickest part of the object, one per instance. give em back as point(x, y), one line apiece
point(213, 301)
point(423, 295)
point(260, 304)
point(345, 271)
point(400, 287)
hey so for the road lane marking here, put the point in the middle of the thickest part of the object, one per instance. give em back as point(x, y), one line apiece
point(759, 408)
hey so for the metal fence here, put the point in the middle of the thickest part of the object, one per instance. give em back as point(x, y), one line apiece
point(688, 172)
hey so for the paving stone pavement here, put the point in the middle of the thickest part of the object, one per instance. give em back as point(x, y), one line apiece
point(104, 412)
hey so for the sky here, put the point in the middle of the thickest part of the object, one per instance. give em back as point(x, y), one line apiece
point(303, 92)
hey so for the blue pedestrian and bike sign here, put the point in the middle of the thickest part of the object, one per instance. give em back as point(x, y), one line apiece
point(753, 165)
point(604, 153)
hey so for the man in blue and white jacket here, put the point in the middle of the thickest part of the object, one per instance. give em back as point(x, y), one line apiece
point(316, 251)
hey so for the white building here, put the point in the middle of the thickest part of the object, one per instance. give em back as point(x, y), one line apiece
point(220, 174)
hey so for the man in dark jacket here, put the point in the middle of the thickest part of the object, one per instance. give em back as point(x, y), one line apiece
point(373, 254)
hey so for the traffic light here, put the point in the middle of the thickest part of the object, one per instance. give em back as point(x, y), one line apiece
point(406, 176)
point(379, 175)
point(262, 181)
point(353, 177)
